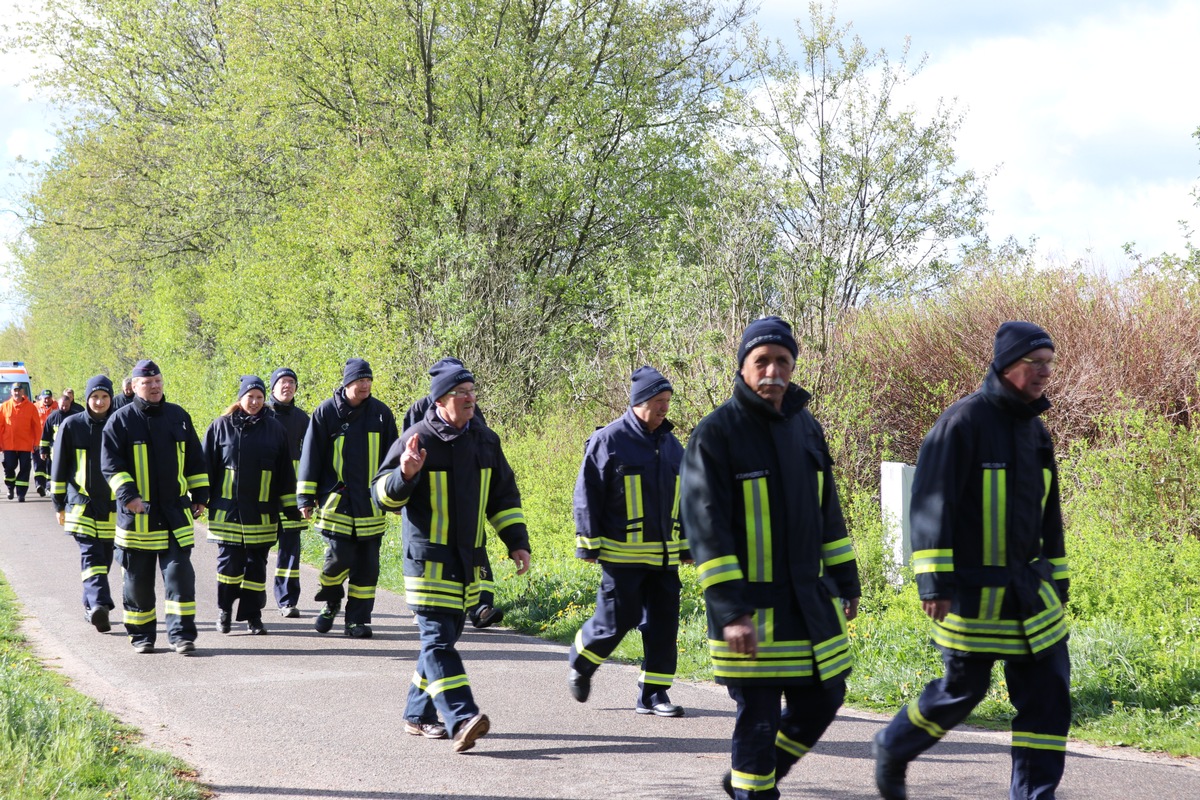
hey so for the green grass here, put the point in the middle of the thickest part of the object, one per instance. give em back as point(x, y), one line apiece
point(55, 742)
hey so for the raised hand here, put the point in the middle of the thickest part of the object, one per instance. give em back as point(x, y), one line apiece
point(413, 458)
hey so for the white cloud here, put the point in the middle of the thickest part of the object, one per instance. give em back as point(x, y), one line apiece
point(1078, 103)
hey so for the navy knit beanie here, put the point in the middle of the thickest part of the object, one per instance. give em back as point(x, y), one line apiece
point(445, 375)
point(767, 330)
point(647, 382)
point(282, 372)
point(355, 368)
point(1015, 339)
point(145, 369)
point(249, 382)
point(98, 383)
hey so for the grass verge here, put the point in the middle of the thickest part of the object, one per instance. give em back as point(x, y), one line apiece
point(55, 742)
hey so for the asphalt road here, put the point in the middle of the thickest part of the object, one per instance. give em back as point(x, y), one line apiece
point(297, 714)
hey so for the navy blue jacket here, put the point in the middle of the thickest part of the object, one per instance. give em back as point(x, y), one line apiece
point(765, 526)
point(987, 531)
point(342, 451)
point(76, 481)
point(54, 421)
point(627, 496)
point(251, 478)
point(465, 482)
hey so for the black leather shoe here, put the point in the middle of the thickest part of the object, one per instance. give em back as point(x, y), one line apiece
point(256, 627)
point(358, 631)
point(223, 622)
point(470, 730)
point(98, 617)
point(667, 709)
point(484, 616)
point(579, 684)
point(889, 772)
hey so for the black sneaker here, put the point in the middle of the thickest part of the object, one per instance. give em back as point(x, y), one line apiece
point(256, 627)
point(10, 493)
point(224, 622)
point(324, 621)
point(889, 772)
point(41, 491)
point(579, 684)
point(98, 617)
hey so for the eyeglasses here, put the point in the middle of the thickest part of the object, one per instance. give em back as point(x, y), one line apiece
point(1040, 363)
point(463, 393)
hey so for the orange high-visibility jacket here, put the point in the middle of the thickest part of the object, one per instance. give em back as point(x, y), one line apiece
point(20, 425)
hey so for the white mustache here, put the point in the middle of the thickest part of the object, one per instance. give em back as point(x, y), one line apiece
point(772, 382)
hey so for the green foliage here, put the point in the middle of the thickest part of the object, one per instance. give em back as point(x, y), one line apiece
point(54, 742)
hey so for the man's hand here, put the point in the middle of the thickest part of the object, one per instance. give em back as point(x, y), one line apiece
point(521, 557)
point(936, 610)
point(740, 636)
point(307, 512)
point(590, 560)
point(413, 459)
point(850, 607)
point(62, 517)
point(136, 506)
point(197, 510)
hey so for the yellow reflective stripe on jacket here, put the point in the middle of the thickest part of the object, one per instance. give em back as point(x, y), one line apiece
point(719, 570)
point(995, 524)
point(80, 474)
point(837, 552)
point(1058, 569)
point(759, 566)
point(615, 551)
point(635, 511)
point(676, 528)
point(306, 487)
point(338, 443)
point(991, 600)
point(227, 484)
point(1047, 481)
point(141, 470)
point(485, 490)
point(821, 488)
point(932, 561)
point(439, 514)
point(381, 495)
point(264, 486)
point(506, 517)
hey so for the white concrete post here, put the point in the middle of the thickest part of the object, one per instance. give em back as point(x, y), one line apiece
point(895, 497)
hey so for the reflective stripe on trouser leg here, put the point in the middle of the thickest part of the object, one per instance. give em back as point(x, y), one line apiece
point(363, 577)
point(287, 568)
point(660, 631)
point(943, 704)
point(754, 732)
point(95, 561)
point(619, 610)
point(441, 679)
point(1041, 692)
point(231, 571)
point(179, 584)
point(339, 556)
point(137, 594)
point(808, 712)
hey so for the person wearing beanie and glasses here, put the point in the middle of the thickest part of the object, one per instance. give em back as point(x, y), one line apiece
point(991, 568)
point(627, 518)
point(778, 572)
point(448, 475)
point(281, 401)
point(254, 483)
point(343, 447)
point(83, 502)
point(151, 457)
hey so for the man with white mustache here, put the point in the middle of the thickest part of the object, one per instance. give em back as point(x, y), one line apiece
point(765, 527)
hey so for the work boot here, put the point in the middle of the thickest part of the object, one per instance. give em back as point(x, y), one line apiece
point(579, 684)
point(224, 622)
point(256, 627)
point(358, 631)
point(324, 621)
point(889, 772)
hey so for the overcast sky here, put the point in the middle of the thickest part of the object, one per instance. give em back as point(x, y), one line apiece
point(1086, 107)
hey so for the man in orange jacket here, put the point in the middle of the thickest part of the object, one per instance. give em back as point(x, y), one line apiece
point(46, 404)
point(20, 432)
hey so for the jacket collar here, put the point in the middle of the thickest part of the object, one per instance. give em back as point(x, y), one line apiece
point(1004, 397)
point(442, 429)
point(794, 400)
point(630, 421)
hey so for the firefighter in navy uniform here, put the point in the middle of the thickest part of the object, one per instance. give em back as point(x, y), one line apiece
point(152, 459)
point(627, 518)
point(253, 485)
point(765, 526)
point(346, 439)
point(84, 503)
point(991, 567)
point(281, 401)
point(67, 407)
point(448, 474)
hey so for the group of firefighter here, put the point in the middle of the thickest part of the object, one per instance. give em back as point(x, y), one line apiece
point(751, 501)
